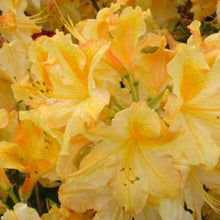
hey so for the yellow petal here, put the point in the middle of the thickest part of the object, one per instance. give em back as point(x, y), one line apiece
point(21, 212)
point(154, 76)
point(127, 37)
point(3, 118)
point(173, 209)
point(129, 158)
point(7, 100)
point(10, 156)
point(189, 71)
point(13, 58)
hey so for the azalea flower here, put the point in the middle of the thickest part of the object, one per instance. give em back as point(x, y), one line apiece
point(134, 53)
point(120, 120)
point(133, 159)
point(195, 84)
point(115, 27)
point(15, 25)
point(33, 154)
point(190, 202)
point(62, 84)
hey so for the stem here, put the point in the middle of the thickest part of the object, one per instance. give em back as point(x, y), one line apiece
point(38, 201)
point(12, 195)
point(132, 89)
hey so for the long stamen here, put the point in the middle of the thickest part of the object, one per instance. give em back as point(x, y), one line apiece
point(127, 171)
point(209, 199)
point(70, 26)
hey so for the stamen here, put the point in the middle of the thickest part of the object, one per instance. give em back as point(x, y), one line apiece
point(127, 172)
point(70, 26)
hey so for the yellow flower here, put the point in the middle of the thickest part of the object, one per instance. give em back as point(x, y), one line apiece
point(190, 202)
point(32, 152)
point(62, 83)
point(132, 159)
point(113, 26)
point(195, 106)
point(172, 209)
point(129, 55)
point(14, 23)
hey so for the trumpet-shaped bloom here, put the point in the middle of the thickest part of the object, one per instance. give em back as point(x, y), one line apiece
point(32, 152)
point(190, 202)
point(113, 26)
point(132, 160)
point(196, 105)
point(14, 23)
point(129, 31)
point(62, 83)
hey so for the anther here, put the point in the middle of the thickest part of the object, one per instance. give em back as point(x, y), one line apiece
point(28, 107)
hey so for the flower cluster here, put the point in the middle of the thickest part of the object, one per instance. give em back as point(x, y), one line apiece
point(106, 115)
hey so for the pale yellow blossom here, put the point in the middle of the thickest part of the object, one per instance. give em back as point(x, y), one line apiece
point(132, 160)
